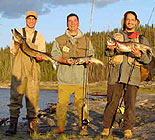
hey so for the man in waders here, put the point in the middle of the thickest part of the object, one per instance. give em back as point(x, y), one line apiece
point(71, 77)
point(25, 77)
point(124, 75)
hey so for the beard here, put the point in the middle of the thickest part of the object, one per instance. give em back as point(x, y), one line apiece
point(130, 28)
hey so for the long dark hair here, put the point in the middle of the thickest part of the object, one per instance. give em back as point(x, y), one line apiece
point(125, 16)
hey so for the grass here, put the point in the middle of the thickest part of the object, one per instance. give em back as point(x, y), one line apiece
point(98, 89)
point(147, 90)
point(93, 87)
point(18, 136)
point(36, 135)
point(51, 135)
point(102, 87)
point(1, 136)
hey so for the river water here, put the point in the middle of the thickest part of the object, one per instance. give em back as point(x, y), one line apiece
point(46, 97)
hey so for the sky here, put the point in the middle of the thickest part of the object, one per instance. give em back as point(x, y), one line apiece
point(107, 15)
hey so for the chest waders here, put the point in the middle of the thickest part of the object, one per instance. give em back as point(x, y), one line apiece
point(32, 122)
point(16, 94)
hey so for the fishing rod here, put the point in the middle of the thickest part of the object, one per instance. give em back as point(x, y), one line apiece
point(130, 74)
point(149, 19)
point(84, 114)
point(91, 17)
point(123, 94)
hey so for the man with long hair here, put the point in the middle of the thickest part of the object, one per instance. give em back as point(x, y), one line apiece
point(124, 75)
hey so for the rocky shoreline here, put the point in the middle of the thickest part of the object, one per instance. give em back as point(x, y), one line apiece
point(53, 85)
point(144, 128)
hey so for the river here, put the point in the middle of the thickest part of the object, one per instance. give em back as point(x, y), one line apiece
point(46, 97)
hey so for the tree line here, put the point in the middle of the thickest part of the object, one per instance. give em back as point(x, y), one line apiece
point(96, 72)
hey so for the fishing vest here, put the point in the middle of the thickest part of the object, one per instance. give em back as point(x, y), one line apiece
point(68, 49)
point(118, 59)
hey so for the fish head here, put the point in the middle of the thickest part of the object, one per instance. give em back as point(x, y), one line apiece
point(17, 36)
point(110, 41)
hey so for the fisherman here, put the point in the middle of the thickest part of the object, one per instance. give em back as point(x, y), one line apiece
point(25, 77)
point(71, 77)
point(124, 75)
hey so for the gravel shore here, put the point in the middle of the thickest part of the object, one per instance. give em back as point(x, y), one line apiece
point(144, 128)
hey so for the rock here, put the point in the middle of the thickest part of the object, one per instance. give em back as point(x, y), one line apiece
point(143, 130)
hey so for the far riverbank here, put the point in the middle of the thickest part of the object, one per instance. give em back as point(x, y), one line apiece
point(97, 88)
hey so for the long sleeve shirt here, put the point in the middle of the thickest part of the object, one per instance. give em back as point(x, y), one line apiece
point(74, 74)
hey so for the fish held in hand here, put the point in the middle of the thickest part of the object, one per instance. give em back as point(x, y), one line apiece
point(127, 46)
point(84, 60)
point(25, 47)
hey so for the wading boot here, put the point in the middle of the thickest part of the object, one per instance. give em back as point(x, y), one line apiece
point(128, 134)
point(58, 130)
point(105, 132)
point(13, 127)
point(32, 125)
point(83, 131)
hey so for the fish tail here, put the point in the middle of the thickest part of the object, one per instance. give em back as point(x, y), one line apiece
point(96, 61)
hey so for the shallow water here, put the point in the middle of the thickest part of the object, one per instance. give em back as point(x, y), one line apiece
point(46, 97)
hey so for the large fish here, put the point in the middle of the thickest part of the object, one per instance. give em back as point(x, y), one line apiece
point(30, 51)
point(127, 46)
point(147, 71)
point(83, 60)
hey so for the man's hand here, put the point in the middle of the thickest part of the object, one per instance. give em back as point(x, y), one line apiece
point(89, 63)
point(69, 62)
point(111, 47)
point(136, 51)
point(16, 45)
point(39, 57)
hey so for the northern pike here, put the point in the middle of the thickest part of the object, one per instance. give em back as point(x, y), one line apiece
point(83, 60)
point(127, 46)
point(30, 51)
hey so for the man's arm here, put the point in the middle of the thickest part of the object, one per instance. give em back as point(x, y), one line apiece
point(145, 57)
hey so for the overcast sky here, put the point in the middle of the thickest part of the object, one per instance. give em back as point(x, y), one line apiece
point(16, 8)
point(52, 15)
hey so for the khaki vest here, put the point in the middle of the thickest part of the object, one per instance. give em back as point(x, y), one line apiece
point(118, 59)
point(69, 49)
